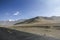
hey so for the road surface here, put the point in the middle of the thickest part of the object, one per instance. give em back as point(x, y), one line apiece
point(9, 34)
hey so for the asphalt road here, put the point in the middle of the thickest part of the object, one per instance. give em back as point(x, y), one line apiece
point(9, 34)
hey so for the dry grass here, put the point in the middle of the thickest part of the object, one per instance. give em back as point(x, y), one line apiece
point(39, 31)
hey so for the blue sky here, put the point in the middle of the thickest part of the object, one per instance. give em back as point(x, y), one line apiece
point(21, 9)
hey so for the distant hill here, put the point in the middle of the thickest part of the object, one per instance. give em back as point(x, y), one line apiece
point(9, 23)
point(40, 20)
point(35, 20)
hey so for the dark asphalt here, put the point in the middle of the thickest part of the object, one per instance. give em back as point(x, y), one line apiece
point(9, 34)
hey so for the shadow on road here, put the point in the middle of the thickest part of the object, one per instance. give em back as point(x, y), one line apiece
point(10, 34)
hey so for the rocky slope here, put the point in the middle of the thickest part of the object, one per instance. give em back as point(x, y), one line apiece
point(41, 20)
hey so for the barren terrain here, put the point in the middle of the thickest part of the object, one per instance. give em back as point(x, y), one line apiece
point(40, 31)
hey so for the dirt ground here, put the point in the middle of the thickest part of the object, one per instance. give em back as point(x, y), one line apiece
point(40, 31)
point(10, 34)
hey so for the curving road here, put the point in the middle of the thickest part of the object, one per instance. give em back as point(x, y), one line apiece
point(9, 34)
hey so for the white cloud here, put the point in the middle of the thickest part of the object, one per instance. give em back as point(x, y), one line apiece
point(56, 11)
point(17, 13)
point(53, 7)
point(53, 3)
point(49, 8)
point(11, 20)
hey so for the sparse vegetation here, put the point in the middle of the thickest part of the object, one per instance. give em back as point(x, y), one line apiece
point(10, 34)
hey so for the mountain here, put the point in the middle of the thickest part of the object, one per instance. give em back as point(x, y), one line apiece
point(40, 20)
point(35, 20)
point(6, 23)
point(10, 23)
